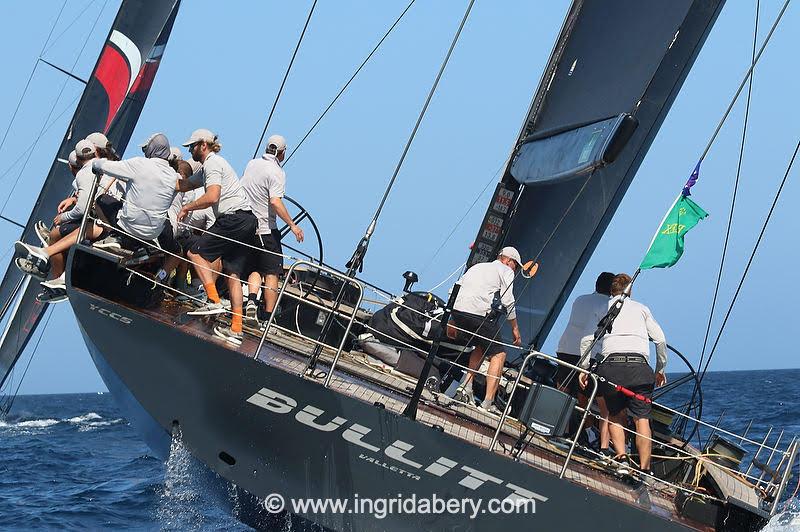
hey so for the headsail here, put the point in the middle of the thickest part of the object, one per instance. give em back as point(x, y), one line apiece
point(610, 81)
point(112, 101)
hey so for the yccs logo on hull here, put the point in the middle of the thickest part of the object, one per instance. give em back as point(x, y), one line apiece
point(397, 451)
point(110, 314)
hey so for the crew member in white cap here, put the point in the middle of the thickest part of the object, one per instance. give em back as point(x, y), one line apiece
point(49, 235)
point(105, 149)
point(478, 323)
point(231, 235)
point(41, 261)
point(264, 182)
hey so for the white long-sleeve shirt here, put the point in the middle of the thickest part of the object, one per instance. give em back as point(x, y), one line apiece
point(587, 311)
point(631, 332)
point(479, 285)
point(149, 193)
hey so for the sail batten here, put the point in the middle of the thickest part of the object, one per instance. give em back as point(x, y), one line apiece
point(114, 96)
point(573, 162)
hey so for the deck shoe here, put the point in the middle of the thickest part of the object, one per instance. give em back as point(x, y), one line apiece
point(224, 332)
point(491, 409)
point(464, 396)
point(110, 243)
point(43, 233)
point(33, 267)
point(52, 295)
point(251, 312)
point(623, 464)
point(21, 249)
point(209, 309)
point(54, 284)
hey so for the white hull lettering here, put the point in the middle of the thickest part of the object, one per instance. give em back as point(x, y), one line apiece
point(309, 414)
point(272, 401)
point(354, 433)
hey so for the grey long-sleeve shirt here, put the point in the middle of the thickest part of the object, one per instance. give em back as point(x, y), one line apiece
point(149, 194)
point(632, 331)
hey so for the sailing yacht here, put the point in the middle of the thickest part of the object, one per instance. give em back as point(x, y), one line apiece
point(298, 411)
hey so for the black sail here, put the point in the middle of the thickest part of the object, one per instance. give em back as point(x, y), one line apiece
point(610, 81)
point(112, 101)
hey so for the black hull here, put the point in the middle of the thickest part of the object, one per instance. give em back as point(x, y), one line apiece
point(170, 377)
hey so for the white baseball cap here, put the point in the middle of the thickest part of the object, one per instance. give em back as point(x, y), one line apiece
point(200, 135)
point(73, 158)
point(175, 153)
point(278, 141)
point(511, 253)
point(99, 140)
point(84, 149)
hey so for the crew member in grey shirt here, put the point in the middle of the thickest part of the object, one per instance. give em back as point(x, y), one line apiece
point(232, 236)
point(624, 361)
point(264, 182)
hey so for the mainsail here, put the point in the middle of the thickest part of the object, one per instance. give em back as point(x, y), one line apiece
point(610, 81)
point(112, 101)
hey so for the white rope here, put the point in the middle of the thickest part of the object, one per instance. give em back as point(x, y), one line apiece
point(449, 276)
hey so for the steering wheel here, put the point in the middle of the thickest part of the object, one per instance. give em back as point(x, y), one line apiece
point(298, 218)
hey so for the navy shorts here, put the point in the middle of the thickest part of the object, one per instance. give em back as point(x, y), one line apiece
point(481, 326)
point(637, 377)
point(269, 261)
point(238, 231)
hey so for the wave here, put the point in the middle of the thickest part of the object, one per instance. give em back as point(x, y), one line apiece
point(91, 416)
point(37, 423)
point(85, 422)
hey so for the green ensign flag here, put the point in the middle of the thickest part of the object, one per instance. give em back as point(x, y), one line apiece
point(667, 245)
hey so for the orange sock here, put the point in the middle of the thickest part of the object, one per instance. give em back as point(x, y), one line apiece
point(236, 320)
point(211, 292)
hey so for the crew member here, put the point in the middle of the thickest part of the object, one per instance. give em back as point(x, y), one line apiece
point(587, 311)
point(264, 182)
point(189, 230)
point(41, 261)
point(624, 361)
point(231, 235)
point(150, 189)
point(48, 235)
point(105, 149)
point(479, 323)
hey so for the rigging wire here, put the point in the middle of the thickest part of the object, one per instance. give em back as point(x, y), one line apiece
point(32, 144)
point(750, 260)
point(744, 80)
point(461, 220)
point(5, 408)
point(344, 87)
point(357, 261)
point(30, 78)
point(53, 108)
point(69, 26)
point(285, 77)
point(735, 191)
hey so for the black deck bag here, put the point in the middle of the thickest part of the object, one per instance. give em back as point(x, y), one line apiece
point(413, 320)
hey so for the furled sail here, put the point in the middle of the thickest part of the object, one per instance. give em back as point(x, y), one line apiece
point(111, 103)
point(610, 81)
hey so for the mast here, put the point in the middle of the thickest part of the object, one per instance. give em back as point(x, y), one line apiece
point(112, 101)
point(611, 78)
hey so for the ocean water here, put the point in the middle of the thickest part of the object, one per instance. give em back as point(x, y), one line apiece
point(73, 461)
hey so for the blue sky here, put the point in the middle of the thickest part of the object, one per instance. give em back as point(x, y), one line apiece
point(222, 69)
